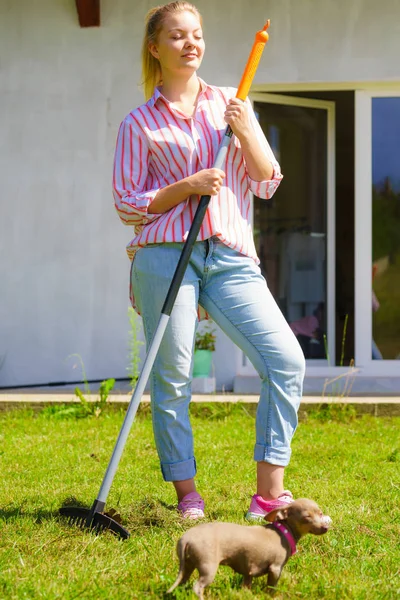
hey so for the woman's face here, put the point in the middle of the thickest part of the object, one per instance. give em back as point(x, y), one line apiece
point(180, 45)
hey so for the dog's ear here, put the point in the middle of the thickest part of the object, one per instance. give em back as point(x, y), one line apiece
point(279, 514)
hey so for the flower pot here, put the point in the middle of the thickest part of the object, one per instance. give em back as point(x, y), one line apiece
point(202, 363)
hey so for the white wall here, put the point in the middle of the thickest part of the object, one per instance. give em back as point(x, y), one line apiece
point(63, 270)
point(63, 92)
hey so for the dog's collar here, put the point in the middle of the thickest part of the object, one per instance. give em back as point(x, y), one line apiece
point(287, 534)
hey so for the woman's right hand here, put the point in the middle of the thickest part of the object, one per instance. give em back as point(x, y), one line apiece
point(206, 182)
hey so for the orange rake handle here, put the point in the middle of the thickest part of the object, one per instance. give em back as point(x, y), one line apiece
point(247, 78)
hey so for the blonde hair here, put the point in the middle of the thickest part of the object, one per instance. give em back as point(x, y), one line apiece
point(151, 70)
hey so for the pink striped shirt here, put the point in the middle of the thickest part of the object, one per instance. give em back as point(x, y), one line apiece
point(158, 145)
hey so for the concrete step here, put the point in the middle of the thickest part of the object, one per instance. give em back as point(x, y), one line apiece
point(375, 405)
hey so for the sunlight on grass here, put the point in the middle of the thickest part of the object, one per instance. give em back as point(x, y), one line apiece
point(351, 468)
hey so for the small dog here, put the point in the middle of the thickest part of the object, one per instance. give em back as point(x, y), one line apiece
point(248, 549)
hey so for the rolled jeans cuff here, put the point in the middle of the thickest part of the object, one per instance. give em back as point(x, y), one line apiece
point(273, 456)
point(185, 469)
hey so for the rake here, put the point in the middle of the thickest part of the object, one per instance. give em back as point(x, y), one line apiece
point(95, 518)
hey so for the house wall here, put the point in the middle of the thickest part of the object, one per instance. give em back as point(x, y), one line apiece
point(64, 91)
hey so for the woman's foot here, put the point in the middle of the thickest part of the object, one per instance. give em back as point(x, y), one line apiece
point(191, 506)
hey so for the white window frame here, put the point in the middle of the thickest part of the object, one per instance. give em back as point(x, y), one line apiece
point(363, 235)
point(245, 368)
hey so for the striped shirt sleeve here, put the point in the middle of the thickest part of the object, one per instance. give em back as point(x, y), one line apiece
point(264, 189)
point(131, 160)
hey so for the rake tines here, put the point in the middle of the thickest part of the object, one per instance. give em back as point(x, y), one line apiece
point(97, 522)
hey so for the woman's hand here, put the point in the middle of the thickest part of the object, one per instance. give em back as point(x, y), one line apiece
point(206, 182)
point(237, 116)
point(258, 163)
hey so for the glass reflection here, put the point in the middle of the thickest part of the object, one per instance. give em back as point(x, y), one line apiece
point(290, 229)
point(386, 228)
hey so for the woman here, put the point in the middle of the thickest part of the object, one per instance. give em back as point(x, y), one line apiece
point(163, 164)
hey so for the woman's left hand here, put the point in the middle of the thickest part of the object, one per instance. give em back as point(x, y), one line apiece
point(237, 116)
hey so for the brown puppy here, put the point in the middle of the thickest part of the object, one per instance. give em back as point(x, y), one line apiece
point(252, 550)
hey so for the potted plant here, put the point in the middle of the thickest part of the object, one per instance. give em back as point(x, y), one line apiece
point(203, 348)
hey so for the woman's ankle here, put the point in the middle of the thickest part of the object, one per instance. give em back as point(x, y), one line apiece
point(183, 488)
point(269, 480)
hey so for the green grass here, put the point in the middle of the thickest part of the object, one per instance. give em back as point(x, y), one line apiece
point(349, 466)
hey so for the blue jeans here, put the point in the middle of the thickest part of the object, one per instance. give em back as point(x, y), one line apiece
point(232, 290)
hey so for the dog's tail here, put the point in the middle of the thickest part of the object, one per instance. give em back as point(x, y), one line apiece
point(180, 550)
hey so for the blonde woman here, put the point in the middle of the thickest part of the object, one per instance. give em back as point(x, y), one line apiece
point(163, 163)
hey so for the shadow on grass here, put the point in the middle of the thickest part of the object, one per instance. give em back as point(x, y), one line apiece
point(12, 513)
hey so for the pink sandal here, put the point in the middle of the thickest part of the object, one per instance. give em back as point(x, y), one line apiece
point(191, 506)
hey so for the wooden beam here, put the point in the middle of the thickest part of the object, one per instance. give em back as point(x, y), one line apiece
point(88, 12)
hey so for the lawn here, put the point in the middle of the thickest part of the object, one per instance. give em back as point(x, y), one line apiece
point(349, 465)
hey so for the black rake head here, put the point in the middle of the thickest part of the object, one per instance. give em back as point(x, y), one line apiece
point(97, 522)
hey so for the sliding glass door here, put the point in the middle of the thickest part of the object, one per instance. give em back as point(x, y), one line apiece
point(294, 231)
point(378, 232)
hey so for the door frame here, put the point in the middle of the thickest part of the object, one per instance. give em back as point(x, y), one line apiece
point(313, 365)
point(363, 235)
